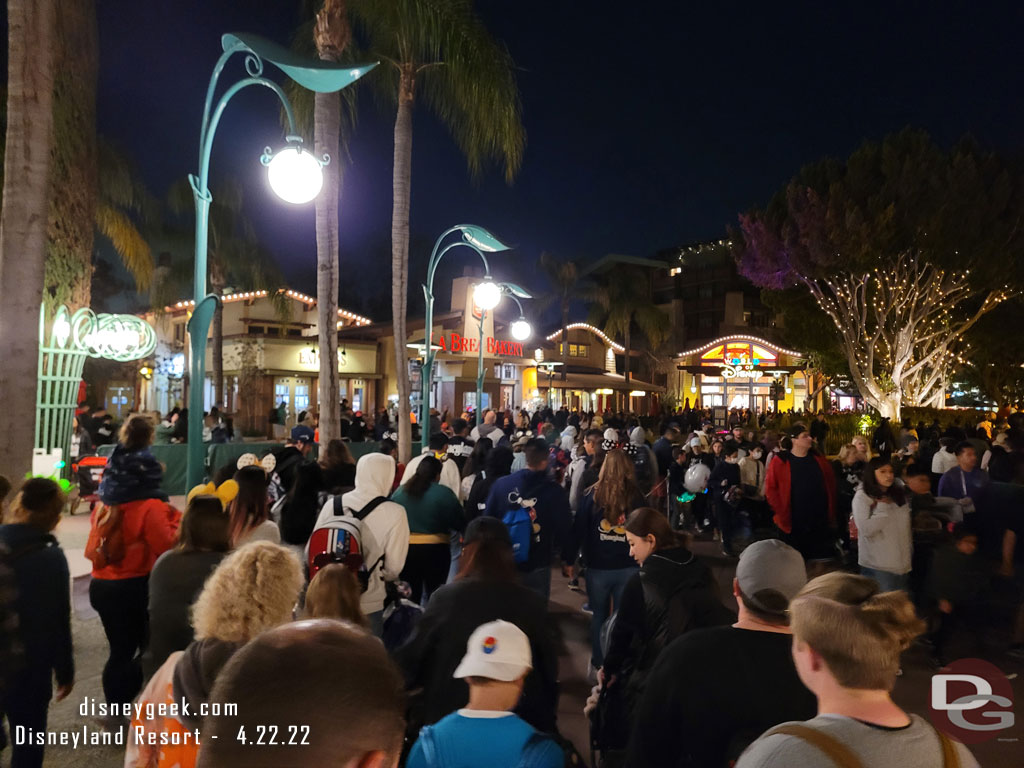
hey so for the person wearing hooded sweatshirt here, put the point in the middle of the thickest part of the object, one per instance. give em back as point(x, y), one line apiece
point(385, 531)
point(672, 593)
point(568, 438)
point(42, 611)
point(252, 590)
point(487, 429)
point(549, 510)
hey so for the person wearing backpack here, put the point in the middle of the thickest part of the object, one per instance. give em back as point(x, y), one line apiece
point(599, 534)
point(433, 512)
point(536, 509)
point(847, 639)
point(127, 533)
point(485, 731)
point(365, 521)
point(42, 606)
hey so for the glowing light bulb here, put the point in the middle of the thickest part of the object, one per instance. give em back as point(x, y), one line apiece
point(295, 175)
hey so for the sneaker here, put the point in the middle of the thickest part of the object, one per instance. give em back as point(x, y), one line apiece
point(574, 585)
point(585, 608)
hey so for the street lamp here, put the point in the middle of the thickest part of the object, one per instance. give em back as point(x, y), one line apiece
point(481, 241)
point(294, 173)
point(491, 293)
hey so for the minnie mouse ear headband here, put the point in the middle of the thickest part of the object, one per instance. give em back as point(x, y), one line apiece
point(267, 464)
point(226, 492)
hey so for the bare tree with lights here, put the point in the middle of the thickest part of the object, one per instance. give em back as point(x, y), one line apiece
point(904, 247)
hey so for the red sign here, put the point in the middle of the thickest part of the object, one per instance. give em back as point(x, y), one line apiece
point(454, 342)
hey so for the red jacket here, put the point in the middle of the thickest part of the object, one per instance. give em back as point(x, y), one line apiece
point(778, 489)
point(150, 527)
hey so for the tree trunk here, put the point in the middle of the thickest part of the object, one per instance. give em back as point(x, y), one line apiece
point(23, 219)
point(217, 354)
point(331, 36)
point(401, 187)
point(625, 364)
point(72, 213)
point(565, 340)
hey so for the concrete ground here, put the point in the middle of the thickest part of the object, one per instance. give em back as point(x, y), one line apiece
point(912, 689)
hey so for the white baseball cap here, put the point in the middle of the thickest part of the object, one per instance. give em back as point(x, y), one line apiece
point(497, 650)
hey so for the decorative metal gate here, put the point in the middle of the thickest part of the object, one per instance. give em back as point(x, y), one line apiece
point(72, 338)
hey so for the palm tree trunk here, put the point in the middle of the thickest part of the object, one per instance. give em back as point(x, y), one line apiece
point(625, 364)
point(72, 218)
point(331, 36)
point(217, 354)
point(565, 339)
point(401, 185)
point(23, 217)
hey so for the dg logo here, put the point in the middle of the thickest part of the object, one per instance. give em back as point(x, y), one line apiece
point(972, 702)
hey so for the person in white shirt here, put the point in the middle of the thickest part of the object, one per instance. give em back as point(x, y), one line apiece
point(385, 531)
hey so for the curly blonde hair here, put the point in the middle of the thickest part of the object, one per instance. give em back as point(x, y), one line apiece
point(252, 590)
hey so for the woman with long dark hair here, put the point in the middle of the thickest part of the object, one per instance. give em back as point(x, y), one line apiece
point(433, 512)
point(498, 464)
point(882, 516)
point(249, 511)
point(599, 533)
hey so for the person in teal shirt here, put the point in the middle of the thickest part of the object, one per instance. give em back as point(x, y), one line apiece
point(433, 512)
point(485, 731)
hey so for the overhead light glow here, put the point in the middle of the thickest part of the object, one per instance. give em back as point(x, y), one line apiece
point(295, 175)
point(487, 294)
point(521, 330)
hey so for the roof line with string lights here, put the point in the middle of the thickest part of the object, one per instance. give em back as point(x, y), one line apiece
point(247, 295)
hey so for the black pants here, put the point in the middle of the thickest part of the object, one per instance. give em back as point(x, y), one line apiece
point(426, 569)
point(25, 704)
point(122, 606)
point(974, 618)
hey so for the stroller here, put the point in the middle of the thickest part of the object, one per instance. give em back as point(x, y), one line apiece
point(89, 471)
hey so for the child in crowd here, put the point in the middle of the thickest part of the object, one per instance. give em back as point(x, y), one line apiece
point(486, 732)
point(957, 584)
point(676, 486)
point(334, 594)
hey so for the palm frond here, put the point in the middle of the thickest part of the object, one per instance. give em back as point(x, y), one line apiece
point(131, 246)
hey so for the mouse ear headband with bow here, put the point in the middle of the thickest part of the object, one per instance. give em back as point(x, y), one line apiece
point(267, 463)
point(226, 492)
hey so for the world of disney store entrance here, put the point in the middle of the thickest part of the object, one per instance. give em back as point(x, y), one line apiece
point(742, 372)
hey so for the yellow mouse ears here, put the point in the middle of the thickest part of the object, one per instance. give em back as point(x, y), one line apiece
point(226, 493)
point(249, 459)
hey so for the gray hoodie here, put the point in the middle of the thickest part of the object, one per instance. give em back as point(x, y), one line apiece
point(385, 529)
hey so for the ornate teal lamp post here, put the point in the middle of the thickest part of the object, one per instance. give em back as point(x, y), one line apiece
point(520, 328)
point(486, 295)
point(294, 174)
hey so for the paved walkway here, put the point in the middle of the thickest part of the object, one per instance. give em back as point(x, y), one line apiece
point(912, 690)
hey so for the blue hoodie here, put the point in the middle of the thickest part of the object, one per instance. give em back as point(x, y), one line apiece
point(552, 508)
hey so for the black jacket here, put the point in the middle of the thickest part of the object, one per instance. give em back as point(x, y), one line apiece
point(313, 484)
point(42, 602)
point(672, 593)
point(438, 644)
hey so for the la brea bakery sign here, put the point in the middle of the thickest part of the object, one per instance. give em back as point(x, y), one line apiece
point(455, 342)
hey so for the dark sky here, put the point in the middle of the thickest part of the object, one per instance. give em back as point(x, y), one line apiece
point(649, 124)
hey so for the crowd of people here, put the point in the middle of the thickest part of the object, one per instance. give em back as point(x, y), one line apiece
point(379, 612)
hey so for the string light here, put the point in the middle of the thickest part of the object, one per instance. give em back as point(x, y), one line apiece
point(246, 295)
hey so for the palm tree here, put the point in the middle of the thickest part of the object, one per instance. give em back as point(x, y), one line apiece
point(564, 277)
point(235, 258)
point(30, 69)
point(440, 52)
point(622, 301)
point(331, 35)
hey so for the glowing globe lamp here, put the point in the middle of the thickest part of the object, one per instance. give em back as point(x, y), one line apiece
point(487, 294)
point(520, 330)
point(295, 175)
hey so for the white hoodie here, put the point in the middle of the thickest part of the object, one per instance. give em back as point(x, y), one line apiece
point(385, 529)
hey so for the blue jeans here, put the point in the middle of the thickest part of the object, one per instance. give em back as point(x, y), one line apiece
point(888, 582)
point(539, 580)
point(604, 588)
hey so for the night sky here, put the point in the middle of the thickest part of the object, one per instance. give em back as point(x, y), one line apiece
point(649, 125)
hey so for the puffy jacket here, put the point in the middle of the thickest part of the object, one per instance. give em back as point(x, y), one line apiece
point(672, 593)
point(778, 489)
point(149, 527)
